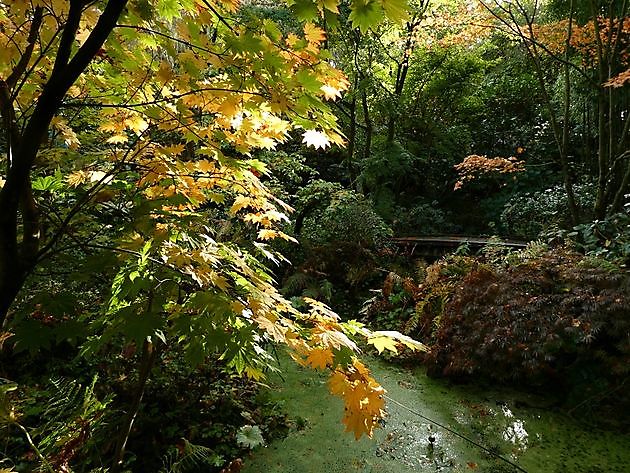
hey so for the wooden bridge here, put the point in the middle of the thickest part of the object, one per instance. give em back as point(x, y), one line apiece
point(440, 244)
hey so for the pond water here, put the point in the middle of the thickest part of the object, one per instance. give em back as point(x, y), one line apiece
point(512, 424)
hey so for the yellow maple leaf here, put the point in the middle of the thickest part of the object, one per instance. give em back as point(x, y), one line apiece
point(356, 424)
point(397, 338)
point(231, 106)
point(363, 399)
point(330, 92)
point(266, 234)
point(383, 342)
point(338, 383)
point(77, 178)
point(320, 358)
point(269, 323)
point(316, 139)
point(136, 123)
point(117, 139)
point(313, 34)
point(240, 202)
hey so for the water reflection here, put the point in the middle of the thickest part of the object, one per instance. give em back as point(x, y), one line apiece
point(515, 431)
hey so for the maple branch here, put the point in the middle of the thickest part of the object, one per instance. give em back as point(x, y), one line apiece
point(103, 28)
point(11, 39)
point(89, 194)
point(219, 16)
point(68, 35)
point(20, 67)
point(171, 38)
point(42, 55)
point(160, 100)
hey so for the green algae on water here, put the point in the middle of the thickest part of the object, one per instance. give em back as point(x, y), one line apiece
point(539, 440)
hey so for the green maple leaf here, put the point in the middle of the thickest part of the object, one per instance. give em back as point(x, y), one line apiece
point(32, 336)
point(138, 326)
point(304, 9)
point(365, 14)
point(396, 10)
point(308, 80)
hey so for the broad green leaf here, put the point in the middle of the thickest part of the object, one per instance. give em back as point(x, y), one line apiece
point(304, 9)
point(250, 436)
point(138, 326)
point(396, 10)
point(365, 14)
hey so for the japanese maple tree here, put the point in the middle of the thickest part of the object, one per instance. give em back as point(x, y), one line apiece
point(178, 95)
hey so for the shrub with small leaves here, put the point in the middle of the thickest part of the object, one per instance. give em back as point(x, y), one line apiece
point(530, 213)
point(548, 317)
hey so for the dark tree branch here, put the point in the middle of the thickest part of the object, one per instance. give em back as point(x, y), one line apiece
point(22, 64)
point(67, 37)
point(16, 261)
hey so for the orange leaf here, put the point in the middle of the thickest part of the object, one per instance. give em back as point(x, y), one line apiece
point(320, 358)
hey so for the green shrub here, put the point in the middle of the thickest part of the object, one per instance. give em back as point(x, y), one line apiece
point(530, 213)
point(424, 218)
point(339, 215)
point(608, 238)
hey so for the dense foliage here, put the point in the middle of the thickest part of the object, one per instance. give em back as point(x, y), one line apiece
point(187, 186)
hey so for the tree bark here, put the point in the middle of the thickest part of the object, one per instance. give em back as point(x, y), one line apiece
point(18, 257)
point(149, 355)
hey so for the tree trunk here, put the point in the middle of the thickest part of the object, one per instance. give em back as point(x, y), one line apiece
point(352, 133)
point(18, 257)
point(149, 355)
point(367, 150)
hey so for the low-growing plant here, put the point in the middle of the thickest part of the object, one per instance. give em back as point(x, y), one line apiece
point(423, 218)
point(549, 317)
point(538, 316)
point(608, 238)
point(342, 216)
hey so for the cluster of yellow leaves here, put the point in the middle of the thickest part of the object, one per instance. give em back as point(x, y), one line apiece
point(275, 316)
point(15, 21)
point(474, 167)
point(67, 134)
point(363, 398)
point(78, 178)
point(119, 121)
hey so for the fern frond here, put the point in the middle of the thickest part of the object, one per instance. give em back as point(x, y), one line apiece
point(194, 458)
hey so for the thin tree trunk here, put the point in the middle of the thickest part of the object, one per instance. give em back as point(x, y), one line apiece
point(564, 157)
point(149, 355)
point(367, 150)
point(352, 132)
